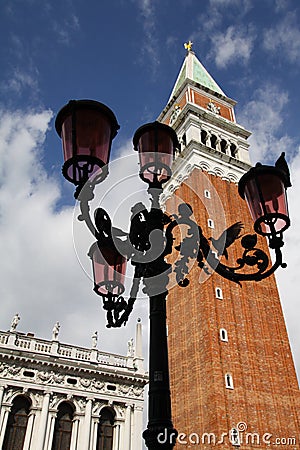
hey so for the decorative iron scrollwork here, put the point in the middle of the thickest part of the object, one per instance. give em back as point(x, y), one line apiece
point(152, 238)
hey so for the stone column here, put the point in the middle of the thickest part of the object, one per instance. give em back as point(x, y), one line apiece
point(116, 440)
point(208, 141)
point(2, 415)
point(127, 431)
point(50, 430)
point(74, 437)
point(3, 422)
point(85, 441)
point(43, 422)
point(29, 429)
point(94, 431)
point(138, 427)
point(227, 149)
point(2, 388)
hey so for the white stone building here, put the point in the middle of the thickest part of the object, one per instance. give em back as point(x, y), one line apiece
point(55, 396)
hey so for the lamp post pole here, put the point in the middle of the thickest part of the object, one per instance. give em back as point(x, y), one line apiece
point(160, 433)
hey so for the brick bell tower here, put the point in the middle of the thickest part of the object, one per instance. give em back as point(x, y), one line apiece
point(233, 381)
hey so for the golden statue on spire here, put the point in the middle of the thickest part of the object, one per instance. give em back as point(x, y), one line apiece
point(188, 46)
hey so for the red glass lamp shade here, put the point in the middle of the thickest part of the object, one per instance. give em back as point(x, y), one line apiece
point(87, 128)
point(109, 268)
point(156, 144)
point(264, 189)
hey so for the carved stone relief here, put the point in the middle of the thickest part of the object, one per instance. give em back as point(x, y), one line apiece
point(130, 390)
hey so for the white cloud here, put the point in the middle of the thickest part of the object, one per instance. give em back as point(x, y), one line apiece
point(20, 81)
point(65, 28)
point(41, 278)
point(21, 77)
point(234, 45)
point(263, 115)
point(280, 5)
point(243, 5)
point(211, 21)
point(284, 38)
point(149, 43)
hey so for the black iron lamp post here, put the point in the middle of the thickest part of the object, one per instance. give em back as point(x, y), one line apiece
point(87, 129)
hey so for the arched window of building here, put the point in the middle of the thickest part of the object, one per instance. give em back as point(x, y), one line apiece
point(210, 223)
point(223, 335)
point(219, 293)
point(17, 424)
point(63, 427)
point(233, 150)
point(213, 141)
point(223, 145)
point(228, 381)
point(203, 136)
point(207, 193)
point(105, 430)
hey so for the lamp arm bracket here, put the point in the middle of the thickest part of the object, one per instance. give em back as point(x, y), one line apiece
point(251, 257)
point(195, 245)
point(85, 196)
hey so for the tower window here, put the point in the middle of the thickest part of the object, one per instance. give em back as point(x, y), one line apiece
point(223, 145)
point(219, 293)
point(207, 193)
point(228, 381)
point(223, 335)
point(210, 223)
point(203, 136)
point(233, 150)
point(213, 141)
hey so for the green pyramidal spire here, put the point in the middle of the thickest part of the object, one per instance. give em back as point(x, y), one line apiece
point(193, 70)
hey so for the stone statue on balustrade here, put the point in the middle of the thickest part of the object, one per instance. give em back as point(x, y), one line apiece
point(130, 351)
point(55, 331)
point(14, 322)
point(95, 339)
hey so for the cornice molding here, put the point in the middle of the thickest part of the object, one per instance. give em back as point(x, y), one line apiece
point(206, 159)
point(11, 367)
point(190, 111)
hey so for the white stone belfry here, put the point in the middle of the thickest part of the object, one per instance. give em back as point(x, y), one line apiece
point(204, 120)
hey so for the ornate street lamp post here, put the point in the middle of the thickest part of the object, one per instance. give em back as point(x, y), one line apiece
point(87, 129)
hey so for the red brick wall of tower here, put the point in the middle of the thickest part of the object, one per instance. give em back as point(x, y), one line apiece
point(257, 355)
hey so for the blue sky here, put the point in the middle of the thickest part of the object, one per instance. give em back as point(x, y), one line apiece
point(126, 54)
